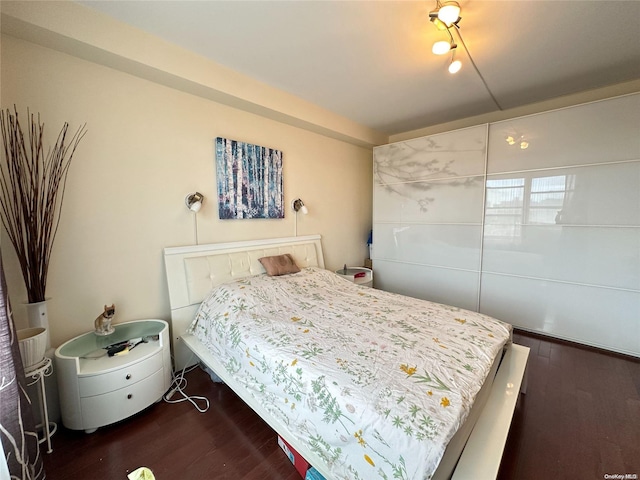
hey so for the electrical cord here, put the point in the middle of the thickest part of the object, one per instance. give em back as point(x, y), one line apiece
point(473, 63)
point(179, 384)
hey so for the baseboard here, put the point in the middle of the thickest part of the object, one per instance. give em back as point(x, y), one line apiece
point(571, 343)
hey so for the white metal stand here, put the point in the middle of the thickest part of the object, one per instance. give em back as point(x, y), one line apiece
point(38, 373)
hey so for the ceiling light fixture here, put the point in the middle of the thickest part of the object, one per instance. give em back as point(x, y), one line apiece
point(446, 13)
point(455, 66)
point(449, 13)
point(445, 16)
point(441, 47)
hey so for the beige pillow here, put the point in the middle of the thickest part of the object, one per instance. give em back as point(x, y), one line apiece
point(279, 264)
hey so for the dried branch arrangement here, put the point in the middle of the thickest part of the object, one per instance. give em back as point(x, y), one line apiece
point(32, 187)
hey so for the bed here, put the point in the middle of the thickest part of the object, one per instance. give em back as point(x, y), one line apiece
point(362, 383)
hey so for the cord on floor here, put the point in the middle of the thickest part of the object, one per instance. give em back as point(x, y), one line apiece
point(179, 384)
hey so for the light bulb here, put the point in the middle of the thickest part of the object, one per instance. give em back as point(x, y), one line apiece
point(449, 14)
point(441, 47)
point(455, 66)
point(194, 201)
point(524, 145)
point(439, 23)
point(304, 209)
point(510, 140)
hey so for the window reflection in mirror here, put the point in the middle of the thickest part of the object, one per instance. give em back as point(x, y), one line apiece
point(529, 200)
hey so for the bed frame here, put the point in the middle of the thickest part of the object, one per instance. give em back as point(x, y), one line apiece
point(194, 270)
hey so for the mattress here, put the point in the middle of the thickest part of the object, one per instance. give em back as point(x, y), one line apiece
point(375, 383)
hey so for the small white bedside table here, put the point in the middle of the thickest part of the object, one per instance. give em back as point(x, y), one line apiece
point(96, 389)
point(358, 275)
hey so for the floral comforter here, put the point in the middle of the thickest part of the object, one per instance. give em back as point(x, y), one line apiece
point(375, 383)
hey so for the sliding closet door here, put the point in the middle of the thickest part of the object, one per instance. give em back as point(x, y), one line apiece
point(561, 249)
point(427, 221)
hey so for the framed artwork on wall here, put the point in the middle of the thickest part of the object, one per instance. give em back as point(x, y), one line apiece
point(249, 179)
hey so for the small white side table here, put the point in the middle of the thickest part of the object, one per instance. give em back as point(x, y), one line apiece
point(359, 275)
point(37, 374)
point(97, 390)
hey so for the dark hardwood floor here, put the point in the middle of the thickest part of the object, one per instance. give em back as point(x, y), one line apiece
point(580, 419)
point(176, 442)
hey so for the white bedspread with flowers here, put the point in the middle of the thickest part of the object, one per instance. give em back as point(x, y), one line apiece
point(375, 383)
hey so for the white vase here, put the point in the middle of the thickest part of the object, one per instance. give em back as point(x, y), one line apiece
point(38, 317)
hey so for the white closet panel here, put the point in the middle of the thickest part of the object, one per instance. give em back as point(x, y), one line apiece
point(605, 194)
point(561, 250)
point(607, 257)
point(577, 224)
point(455, 246)
point(457, 200)
point(427, 221)
point(595, 316)
point(452, 154)
point(605, 131)
point(451, 287)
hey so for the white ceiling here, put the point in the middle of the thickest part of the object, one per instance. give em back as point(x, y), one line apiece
point(371, 61)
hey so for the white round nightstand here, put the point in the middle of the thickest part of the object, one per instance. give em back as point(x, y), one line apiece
point(358, 275)
point(97, 389)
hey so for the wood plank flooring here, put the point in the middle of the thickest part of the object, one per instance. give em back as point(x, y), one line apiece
point(580, 419)
point(176, 442)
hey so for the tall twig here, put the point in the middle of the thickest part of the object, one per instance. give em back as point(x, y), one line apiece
point(32, 188)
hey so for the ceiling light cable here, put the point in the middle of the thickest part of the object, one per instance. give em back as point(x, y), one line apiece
point(476, 69)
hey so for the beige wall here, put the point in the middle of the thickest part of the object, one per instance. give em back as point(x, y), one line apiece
point(148, 146)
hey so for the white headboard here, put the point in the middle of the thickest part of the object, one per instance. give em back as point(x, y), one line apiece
point(194, 270)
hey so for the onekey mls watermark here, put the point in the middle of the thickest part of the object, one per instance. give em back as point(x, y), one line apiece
point(620, 476)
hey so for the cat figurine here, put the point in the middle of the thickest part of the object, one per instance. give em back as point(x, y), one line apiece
point(102, 324)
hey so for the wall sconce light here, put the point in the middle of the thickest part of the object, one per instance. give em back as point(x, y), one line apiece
point(194, 201)
point(298, 205)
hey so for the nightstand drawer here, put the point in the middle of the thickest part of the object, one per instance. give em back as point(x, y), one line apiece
point(101, 410)
point(108, 382)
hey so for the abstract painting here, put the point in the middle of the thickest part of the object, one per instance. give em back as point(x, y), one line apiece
point(249, 180)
